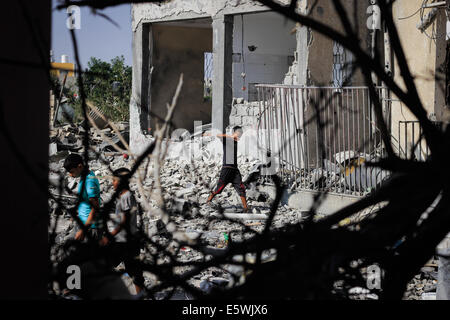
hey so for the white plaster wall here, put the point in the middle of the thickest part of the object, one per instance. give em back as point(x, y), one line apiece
point(192, 9)
point(420, 52)
point(271, 34)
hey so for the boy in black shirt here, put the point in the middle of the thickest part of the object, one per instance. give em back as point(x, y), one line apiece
point(230, 172)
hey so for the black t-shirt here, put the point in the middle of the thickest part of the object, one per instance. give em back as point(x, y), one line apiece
point(229, 152)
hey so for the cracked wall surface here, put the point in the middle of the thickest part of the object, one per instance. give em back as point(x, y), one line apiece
point(182, 9)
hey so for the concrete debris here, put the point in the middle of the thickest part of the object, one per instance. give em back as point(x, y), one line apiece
point(424, 285)
point(244, 216)
point(53, 149)
point(65, 112)
point(155, 227)
point(70, 137)
point(188, 175)
point(215, 282)
point(107, 146)
point(347, 173)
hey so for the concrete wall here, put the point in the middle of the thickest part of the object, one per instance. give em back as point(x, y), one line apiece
point(315, 50)
point(144, 14)
point(245, 115)
point(424, 57)
point(271, 34)
point(174, 53)
point(314, 65)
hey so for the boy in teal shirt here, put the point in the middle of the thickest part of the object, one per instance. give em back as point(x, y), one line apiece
point(90, 197)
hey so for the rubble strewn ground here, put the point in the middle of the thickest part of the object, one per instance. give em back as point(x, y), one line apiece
point(187, 181)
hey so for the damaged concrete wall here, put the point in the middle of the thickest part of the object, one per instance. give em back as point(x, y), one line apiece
point(174, 53)
point(315, 51)
point(140, 90)
point(245, 115)
point(275, 44)
point(145, 13)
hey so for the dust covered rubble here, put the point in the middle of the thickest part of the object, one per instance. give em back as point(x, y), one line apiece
point(188, 175)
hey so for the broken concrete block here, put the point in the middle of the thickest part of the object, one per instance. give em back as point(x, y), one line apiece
point(248, 120)
point(122, 126)
point(253, 194)
point(245, 216)
point(428, 296)
point(235, 120)
point(52, 149)
point(221, 282)
point(241, 110)
point(208, 284)
point(106, 146)
point(212, 235)
point(180, 205)
point(155, 227)
point(184, 192)
point(192, 234)
point(234, 269)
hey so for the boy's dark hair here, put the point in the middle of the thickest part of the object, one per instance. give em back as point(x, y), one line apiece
point(237, 128)
point(72, 161)
point(122, 173)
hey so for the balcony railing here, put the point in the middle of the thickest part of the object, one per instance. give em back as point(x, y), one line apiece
point(322, 137)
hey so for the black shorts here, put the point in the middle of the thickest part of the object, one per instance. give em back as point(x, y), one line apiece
point(230, 175)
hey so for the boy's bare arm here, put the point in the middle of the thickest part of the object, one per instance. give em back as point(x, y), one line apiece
point(94, 205)
point(220, 135)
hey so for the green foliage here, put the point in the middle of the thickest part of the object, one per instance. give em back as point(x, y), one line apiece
point(108, 86)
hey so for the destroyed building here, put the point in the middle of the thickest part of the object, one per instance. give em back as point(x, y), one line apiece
point(246, 65)
point(306, 72)
point(269, 75)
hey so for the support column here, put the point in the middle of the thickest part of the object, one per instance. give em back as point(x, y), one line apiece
point(142, 55)
point(302, 55)
point(222, 88)
point(440, 76)
point(302, 36)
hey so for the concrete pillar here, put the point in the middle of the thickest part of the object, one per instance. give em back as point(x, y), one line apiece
point(140, 97)
point(302, 36)
point(222, 88)
point(440, 79)
point(443, 285)
point(302, 55)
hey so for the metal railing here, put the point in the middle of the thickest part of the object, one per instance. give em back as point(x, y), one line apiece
point(322, 136)
point(411, 142)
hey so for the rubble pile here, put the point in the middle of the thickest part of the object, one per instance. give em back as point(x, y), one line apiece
point(423, 285)
point(188, 174)
point(70, 138)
